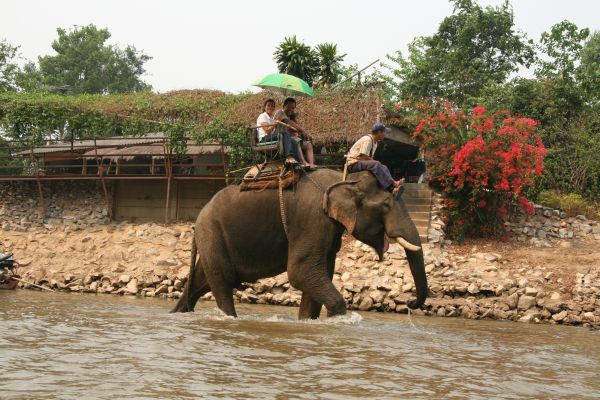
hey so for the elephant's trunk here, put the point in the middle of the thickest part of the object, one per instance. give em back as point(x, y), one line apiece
point(184, 304)
point(403, 230)
point(417, 268)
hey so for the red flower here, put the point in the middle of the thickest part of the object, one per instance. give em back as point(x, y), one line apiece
point(482, 161)
point(478, 110)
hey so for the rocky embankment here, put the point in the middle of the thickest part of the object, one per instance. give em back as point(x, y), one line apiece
point(549, 272)
point(475, 281)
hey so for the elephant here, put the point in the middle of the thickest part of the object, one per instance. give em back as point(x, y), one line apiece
point(240, 237)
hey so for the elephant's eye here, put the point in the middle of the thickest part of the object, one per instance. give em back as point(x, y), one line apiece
point(388, 204)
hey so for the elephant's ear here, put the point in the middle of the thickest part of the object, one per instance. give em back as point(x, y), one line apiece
point(341, 201)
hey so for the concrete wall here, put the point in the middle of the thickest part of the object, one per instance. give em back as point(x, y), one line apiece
point(145, 201)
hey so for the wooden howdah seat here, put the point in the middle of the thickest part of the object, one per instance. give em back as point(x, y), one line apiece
point(271, 172)
point(270, 175)
point(270, 150)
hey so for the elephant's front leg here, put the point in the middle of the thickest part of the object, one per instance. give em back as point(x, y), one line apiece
point(315, 283)
point(310, 309)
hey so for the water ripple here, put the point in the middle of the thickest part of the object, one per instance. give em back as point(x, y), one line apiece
point(69, 346)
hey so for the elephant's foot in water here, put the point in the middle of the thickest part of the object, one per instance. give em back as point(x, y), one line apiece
point(317, 291)
point(310, 309)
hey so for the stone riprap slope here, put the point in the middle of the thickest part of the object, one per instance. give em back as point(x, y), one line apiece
point(512, 281)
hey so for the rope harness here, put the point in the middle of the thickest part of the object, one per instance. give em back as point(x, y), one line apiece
point(265, 176)
point(282, 208)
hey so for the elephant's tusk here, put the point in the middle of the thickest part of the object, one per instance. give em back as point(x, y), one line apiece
point(408, 246)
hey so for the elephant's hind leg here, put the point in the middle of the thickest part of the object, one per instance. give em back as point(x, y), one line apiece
point(222, 290)
point(196, 287)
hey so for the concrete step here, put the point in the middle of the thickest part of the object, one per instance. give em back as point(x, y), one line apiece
point(419, 216)
point(422, 234)
point(418, 208)
point(421, 223)
point(422, 230)
point(417, 194)
point(417, 198)
point(416, 186)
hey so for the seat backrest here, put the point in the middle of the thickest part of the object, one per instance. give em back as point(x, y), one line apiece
point(253, 136)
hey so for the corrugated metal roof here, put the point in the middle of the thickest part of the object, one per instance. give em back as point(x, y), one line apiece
point(154, 150)
point(82, 145)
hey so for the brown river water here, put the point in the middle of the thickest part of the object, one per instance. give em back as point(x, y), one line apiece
point(77, 346)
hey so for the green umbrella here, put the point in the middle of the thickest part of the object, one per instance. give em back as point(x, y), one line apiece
point(284, 83)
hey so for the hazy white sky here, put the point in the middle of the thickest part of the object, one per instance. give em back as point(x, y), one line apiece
point(226, 44)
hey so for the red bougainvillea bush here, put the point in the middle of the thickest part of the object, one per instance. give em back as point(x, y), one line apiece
point(483, 161)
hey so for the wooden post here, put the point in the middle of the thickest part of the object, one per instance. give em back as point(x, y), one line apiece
point(223, 161)
point(102, 181)
point(169, 178)
point(178, 195)
point(36, 165)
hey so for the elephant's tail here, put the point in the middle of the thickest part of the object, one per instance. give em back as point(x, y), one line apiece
point(184, 303)
point(191, 274)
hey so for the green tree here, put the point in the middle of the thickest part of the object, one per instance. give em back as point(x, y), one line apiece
point(330, 64)
point(296, 58)
point(561, 48)
point(473, 48)
point(8, 67)
point(29, 78)
point(588, 73)
point(87, 65)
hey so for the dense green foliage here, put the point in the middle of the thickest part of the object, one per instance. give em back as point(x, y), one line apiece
point(472, 49)
point(471, 60)
point(329, 64)
point(85, 64)
point(572, 203)
point(321, 66)
point(8, 66)
point(296, 58)
point(35, 118)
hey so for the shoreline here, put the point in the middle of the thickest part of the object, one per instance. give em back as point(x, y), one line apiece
point(476, 280)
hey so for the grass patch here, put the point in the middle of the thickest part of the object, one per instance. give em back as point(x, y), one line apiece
point(571, 203)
